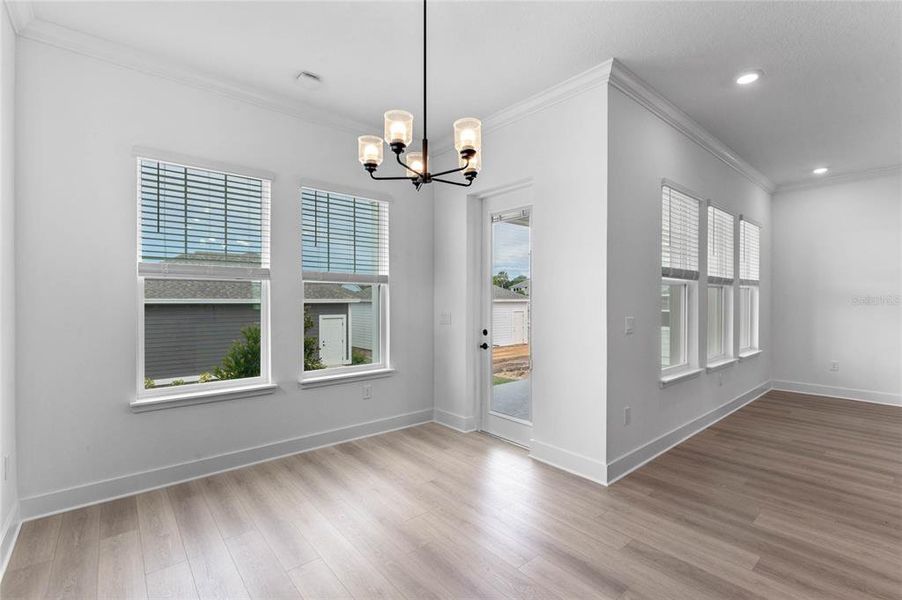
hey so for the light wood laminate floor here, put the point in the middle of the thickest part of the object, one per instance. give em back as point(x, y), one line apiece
point(790, 497)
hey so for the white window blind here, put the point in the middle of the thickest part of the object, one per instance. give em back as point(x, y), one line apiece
point(749, 251)
point(344, 238)
point(198, 222)
point(679, 234)
point(720, 246)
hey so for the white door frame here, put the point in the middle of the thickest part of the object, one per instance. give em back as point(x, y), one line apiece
point(512, 429)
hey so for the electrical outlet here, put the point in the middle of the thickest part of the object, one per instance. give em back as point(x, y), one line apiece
point(627, 416)
point(629, 325)
point(834, 365)
point(367, 391)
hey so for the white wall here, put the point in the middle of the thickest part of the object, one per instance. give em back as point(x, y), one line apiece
point(837, 287)
point(79, 120)
point(561, 147)
point(8, 488)
point(643, 149)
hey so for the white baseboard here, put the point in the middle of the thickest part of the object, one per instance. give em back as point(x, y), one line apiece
point(816, 389)
point(629, 462)
point(39, 505)
point(8, 536)
point(572, 462)
point(455, 421)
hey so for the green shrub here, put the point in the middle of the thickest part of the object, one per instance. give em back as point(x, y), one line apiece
point(205, 377)
point(311, 345)
point(243, 358)
point(178, 382)
point(359, 357)
point(149, 383)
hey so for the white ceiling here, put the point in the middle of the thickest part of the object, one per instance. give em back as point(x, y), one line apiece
point(831, 94)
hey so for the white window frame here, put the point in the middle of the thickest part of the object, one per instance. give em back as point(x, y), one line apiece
point(688, 291)
point(690, 366)
point(383, 367)
point(726, 324)
point(753, 312)
point(754, 286)
point(194, 393)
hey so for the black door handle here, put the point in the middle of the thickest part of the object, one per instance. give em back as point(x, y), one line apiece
point(484, 346)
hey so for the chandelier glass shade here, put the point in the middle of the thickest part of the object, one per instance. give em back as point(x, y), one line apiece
point(398, 134)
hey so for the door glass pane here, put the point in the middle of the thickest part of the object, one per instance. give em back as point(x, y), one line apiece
point(715, 321)
point(672, 319)
point(511, 315)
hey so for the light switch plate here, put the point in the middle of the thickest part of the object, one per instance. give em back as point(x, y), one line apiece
point(629, 325)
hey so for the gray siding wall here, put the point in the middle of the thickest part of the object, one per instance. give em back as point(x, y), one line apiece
point(362, 325)
point(184, 340)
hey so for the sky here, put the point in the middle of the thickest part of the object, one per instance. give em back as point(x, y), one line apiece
point(511, 249)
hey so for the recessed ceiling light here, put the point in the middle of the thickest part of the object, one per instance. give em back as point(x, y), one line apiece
point(309, 80)
point(820, 171)
point(748, 77)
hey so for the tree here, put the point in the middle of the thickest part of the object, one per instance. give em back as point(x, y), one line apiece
point(243, 358)
point(501, 279)
point(311, 345)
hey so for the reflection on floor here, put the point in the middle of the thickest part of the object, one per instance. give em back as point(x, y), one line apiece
point(512, 398)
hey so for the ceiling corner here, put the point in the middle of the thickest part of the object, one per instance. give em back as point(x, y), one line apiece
point(21, 14)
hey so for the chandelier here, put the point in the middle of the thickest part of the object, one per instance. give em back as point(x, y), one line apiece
point(398, 134)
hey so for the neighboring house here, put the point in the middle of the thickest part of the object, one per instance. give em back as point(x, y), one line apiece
point(342, 321)
point(189, 325)
point(521, 287)
point(510, 317)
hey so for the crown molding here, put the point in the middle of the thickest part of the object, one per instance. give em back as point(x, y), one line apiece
point(840, 178)
point(574, 86)
point(613, 72)
point(120, 55)
point(578, 84)
point(630, 84)
point(21, 14)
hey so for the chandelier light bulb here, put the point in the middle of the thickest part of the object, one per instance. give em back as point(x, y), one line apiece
point(474, 165)
point(467, 134)
point(369, 150)
point(415, 162)
point(398, 127)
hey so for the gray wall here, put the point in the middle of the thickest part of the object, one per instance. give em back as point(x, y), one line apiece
point(90, 339)
point(184, 340)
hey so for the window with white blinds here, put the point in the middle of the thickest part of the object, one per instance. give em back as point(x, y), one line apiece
point(344, 238)
point(679, 234)
point(720, 246)
point(749, 252)
point(196, 220)
point(203, 278)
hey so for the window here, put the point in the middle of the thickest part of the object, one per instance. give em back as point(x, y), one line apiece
point(344, 258)
point(749, 258)
point(679, 271)
point(720, 284)
point(203, 279)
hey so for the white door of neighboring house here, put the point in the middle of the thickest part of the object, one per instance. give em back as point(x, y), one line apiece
point(518, 326)
point(333, 340)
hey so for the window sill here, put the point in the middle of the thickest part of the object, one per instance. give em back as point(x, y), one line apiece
point(667, 380)
point(749, 354)
point(191, 398)
point(721, 364)
point(339, 378)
